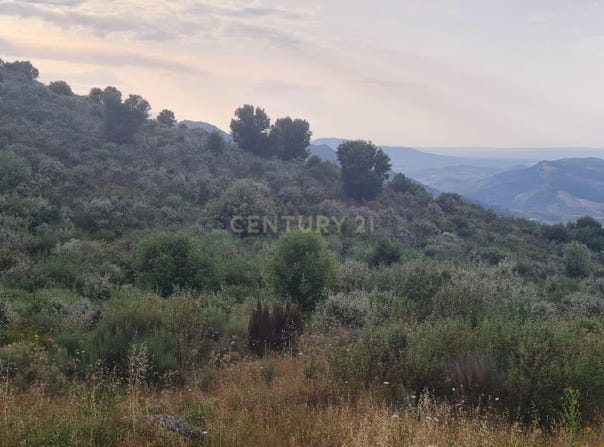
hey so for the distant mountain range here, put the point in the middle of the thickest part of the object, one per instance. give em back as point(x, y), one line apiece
point(550, 191)
point(414, 162)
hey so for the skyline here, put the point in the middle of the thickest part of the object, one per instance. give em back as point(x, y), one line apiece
point(434, 73)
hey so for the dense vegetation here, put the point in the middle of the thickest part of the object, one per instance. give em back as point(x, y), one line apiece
point(126, 287)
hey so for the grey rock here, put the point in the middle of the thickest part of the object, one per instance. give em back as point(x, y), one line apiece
point(175, 425)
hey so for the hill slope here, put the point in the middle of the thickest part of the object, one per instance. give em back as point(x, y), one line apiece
point(551, 190)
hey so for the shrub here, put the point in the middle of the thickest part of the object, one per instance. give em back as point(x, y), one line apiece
point(354, 275)
point(303, 268)
point(277, 330)
point(577, 260)
point(351, 311)
point(111, 340)
point(376, 357)
point(474, 377)
point(385, 252)
point(242, 200)
point(167, 260)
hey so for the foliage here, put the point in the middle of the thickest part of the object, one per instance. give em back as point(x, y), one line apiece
point(122, 119)
point(166, 260)
point(60, 88)
point(289, 139)
point(303, 268)
point(385, 252)
point(276, 330)
point(166, 117)
point(250, 129)
point(364, 168)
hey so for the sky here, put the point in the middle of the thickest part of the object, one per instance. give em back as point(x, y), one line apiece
point(511, 73)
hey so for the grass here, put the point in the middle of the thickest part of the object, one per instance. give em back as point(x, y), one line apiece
point(238, 406)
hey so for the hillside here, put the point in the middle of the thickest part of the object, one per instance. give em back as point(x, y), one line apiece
point(551, 190)
point(164, 285)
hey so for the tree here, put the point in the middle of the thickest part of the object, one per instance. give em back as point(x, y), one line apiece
point(137, 111)
point(303, 268)
point(289, 138)
point(403, 185)
point(167, 118)
point(167, 260)
point(22, 68)
point(250, 129)
point(122, 119)
point(364, 168)
point(96, 95)
point(60, 88)
point(215, 142)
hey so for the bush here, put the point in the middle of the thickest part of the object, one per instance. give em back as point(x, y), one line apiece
point(277, 330)
point(167, 260)
point(376, 358)
point(242, 200)
point(474, 378)
point(343, 310)
point(303, 268)
point(112, 339)
point(577, 260)
point(385, 252)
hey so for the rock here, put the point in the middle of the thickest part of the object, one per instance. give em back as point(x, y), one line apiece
point(175, 425)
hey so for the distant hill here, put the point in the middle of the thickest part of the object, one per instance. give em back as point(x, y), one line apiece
point(550, 190)
point(324, 152)
point(414, 162)
point(207, 127)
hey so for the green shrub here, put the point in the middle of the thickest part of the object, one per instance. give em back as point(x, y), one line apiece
point(343, 310)
point(385, 252)
point(303, 268)
point(167, 260)
point(111, 340)
point(577, 260)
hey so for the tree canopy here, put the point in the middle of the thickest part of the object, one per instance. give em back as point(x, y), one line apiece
point(250, 129)
point(364, 168)
point(287, 139)
point(167, 118)
point(121, 119)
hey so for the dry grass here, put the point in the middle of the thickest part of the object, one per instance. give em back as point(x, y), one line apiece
point(246, 407)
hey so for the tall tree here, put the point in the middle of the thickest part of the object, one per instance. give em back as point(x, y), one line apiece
point(167, 118)
point(289, 138)
point(250, 129)
point(122, 119)
point(364, 168)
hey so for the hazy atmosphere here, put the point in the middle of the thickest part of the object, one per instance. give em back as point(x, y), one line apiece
point(415, 73)
point(302, 224)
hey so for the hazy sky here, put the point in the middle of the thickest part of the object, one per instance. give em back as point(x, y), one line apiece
point(407, 72)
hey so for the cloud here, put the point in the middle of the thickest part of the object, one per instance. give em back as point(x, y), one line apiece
point(101, 57)
point(267, 24)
